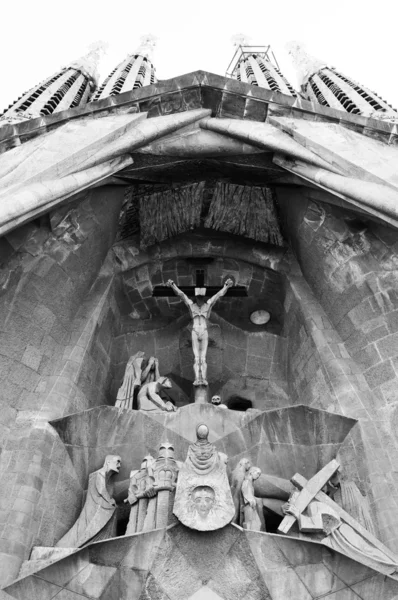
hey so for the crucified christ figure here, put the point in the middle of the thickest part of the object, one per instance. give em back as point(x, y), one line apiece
point(200, 313)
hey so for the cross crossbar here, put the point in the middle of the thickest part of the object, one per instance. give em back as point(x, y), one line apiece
point(308, 492)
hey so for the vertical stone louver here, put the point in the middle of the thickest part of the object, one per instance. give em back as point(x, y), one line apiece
point(327, 86)
point(71, 86)
point(255, 67)
point(133, 72)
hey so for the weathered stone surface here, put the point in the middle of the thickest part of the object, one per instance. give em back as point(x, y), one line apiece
point(229, 563)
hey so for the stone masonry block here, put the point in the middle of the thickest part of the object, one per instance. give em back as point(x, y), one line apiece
point(390, 391)
point(261, 345)
point(380, 374)
point(24, 376)
point(392, 321)
point(32, 357)
point(258, 367)
point(44, 317)
point(367, 357)
point(364, 312)
point(388, 346)
point(235, 358)
point(23, 505)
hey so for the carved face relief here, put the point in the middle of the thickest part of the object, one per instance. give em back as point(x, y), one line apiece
point(255, 472)
point(113, 463)
point(203, 498)
point(216, 399)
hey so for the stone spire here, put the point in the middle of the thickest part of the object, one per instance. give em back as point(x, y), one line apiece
point(327, 86)
point(69, 87)
point(136, 70)
point(257, 65)
point(88, 64)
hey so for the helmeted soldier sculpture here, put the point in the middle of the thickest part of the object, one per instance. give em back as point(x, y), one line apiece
point(151, 491)
point(203, 498)
point(200, 314)
point(97, 521)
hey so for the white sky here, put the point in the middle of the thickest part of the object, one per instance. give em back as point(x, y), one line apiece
point(359, 38)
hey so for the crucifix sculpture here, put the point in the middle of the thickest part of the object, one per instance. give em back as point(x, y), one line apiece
point(200, 310)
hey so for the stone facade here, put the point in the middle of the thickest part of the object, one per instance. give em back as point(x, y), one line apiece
point(78, 298)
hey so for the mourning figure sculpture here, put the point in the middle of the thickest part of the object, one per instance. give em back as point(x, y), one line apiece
point(137, 373)
point(149, 398)
point(200, 313)
point(250, 518)
point(203, 498)
point(236, 480)
point(97, 521)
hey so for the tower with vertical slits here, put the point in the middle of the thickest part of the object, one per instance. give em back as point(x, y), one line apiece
point(135, 71)
point(71, 86)
point(257, 65)
point(327, 86)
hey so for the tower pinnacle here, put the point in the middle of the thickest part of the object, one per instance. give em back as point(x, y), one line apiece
point(147, 45)
point(240, 39)
point(327, 86)
point(88, 64)
point(71, 86)
point(136, 70)
point(304, 63)
point(257, 65)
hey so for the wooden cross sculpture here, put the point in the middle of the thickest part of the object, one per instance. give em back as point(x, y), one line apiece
point(200, 288)
point(308, 492)
point(312, 490)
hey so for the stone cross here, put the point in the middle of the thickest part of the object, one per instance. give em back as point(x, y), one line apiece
point(308, 492)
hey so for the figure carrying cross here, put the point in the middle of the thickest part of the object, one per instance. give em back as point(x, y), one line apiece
point(200, 312)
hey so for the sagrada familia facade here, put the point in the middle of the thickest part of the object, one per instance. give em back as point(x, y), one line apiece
point(199, 335)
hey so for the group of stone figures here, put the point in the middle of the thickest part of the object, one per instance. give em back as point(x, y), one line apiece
point(142, 382)
point(142, 385)
point(201, 494)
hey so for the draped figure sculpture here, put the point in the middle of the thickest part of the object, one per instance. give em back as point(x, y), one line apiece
point(97, 521)
point(250, 518)
point(200, 313)
point(203, 498)
point(137, 373)
point(347, 495)
point(237, 477)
